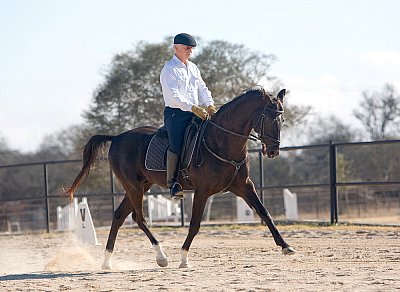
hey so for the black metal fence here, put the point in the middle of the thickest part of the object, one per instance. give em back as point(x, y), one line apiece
point(356, 182)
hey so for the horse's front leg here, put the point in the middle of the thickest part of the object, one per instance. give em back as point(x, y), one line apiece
point(199, 202)
point(248, 193)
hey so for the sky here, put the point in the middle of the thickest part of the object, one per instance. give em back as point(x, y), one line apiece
point(54, 53)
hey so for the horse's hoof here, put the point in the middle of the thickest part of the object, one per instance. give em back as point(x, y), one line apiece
point(184, 265)
point(162, 262)
point(288, 250)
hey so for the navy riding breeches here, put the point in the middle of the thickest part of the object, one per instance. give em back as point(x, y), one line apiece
point(176, 122)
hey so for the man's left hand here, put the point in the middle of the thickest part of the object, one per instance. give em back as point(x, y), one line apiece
point(211, 110)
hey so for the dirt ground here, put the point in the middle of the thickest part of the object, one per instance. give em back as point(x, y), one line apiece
point(340, 258)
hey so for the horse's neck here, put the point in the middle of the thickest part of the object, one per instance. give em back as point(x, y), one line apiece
point(241, 116)
point(239, 121)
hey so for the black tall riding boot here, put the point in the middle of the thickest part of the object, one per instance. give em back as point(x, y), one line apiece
point(175, 188)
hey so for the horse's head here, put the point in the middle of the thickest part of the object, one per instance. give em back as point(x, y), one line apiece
point(268, 125)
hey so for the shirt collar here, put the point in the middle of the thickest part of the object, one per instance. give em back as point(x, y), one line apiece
point(176, 59)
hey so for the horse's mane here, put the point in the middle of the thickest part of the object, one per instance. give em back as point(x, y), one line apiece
point(226, 109)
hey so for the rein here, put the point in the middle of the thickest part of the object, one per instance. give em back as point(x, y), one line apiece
point(251, 136)
point(237, 165)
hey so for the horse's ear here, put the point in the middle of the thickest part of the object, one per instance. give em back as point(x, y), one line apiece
point(282, 94)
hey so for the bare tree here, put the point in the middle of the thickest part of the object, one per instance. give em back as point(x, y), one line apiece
point(379, 113)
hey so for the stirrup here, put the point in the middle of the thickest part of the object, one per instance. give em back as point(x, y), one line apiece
point(176, 191)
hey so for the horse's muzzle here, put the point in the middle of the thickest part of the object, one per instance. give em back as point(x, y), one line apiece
point(273, 153)
point(270, 151)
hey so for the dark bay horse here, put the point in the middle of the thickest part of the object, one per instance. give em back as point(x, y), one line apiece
point(224, 167)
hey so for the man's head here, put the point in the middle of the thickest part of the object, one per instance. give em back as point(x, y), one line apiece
point(183, 45)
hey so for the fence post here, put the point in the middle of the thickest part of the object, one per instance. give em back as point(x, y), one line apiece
point(46, 192)
point(112, 190)
point(332, 182)
point(261, 170)
point(182, 213)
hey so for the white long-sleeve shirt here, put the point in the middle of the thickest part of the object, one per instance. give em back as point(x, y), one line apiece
point(182, 85)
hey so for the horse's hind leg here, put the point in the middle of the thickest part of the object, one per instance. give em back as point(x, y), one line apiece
point(161, 258)
point(248, 193)
point(136, 196)
point(120, 215)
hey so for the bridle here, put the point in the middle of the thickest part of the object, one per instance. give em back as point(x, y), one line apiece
point(260, 136)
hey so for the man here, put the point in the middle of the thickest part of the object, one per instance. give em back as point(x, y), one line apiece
point(184, 91)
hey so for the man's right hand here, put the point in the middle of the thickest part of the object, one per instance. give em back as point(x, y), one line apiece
point(200, 112)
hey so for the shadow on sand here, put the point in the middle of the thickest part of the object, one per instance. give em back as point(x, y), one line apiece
point(46, 275)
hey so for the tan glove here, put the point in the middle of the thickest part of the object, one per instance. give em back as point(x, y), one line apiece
point(211, 110)
point(200, 112)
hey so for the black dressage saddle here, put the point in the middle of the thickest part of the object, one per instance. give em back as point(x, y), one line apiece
point(156, 155)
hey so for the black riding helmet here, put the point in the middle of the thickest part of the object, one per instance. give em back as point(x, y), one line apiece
point(185, 39)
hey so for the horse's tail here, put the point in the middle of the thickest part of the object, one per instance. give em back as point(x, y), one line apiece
point(90, 152)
